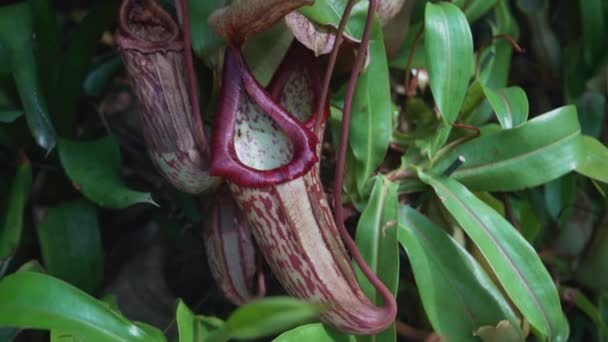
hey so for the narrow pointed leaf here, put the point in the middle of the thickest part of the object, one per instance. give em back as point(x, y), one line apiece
point(371, 123)
point(193, 328)
point(16, 35)
point(376, 239)
point(94, 168)
point(457, 294)
point(510, 105)
point(12, 219)
point(449, 52)
point(39, 301)
point(515, 263)
point(593, 161)
point(314, 332)
point(521, 157)
point(71, 244)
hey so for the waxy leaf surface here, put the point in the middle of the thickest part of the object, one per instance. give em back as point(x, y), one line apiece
point(314, 332)
point(510, 105)
point(449, 56)
point(593, 161)
point(94, 168)
point(514, 262)
point(535, 153)
point(39, 301)
point(457, 294)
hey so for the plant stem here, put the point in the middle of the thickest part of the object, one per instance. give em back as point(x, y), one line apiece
point(329, 69)
point(389, 301)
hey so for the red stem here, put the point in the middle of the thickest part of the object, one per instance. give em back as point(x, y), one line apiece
point(389, 300)
point(329, 69)
point(199, 131)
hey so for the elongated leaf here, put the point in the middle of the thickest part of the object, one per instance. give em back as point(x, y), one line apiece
point(329, 12)
point(371, 122)
point(98, 79)
point(193, 328)
point(457, 294)
point(71, 244)
point(12, 220)
point(8, 116)
point(76, 62)
point(515, 263)
point(521, 157)
point(449, 56)
point(94, 168)
point(510, 105)
point(593, 161)
point(266, 316)
point(314, 332)
point(36, 300)
point(595, 28)
point(204, 39)
point(47, 34)
point(16, 35)
point(376, 239)
point(476, 8)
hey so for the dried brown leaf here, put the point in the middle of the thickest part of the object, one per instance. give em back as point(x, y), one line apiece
point(314, 36)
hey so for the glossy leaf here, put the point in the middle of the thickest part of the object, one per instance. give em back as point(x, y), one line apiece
point(76, 62)
point(591, 106)
point(98, 79)
point(521, 157)
point(266, 316)
point(329, 12)
point(204, 39)
point(39, 301)
point(193, 328)
point(514, 262)
point(371, 122)
point(510, 105)
point(16, 35)
point(593, 161)
point(94, 168)
point(476, 8)
point(12, 219)
point(376, 239)
point(71, 244)
point(314, 332)
point(10, 115)
point(457, 294)
point(449, 55)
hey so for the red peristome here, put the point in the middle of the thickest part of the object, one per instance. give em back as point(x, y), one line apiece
point(237, 81)
point(295, 231)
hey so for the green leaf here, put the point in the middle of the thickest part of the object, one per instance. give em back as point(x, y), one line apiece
point(593, 160)
point(12, 219)
point(449, 56)
point(10, 115)
point(586, 306)
point(265, 317)
point(376, 239)
point(204, 39)
point(71, 244)
point(510, 105)
point(265, 52)
point(401, 59)
point(457, 294)
point(329, 12)
point(193, 328)
point(16, 36)
point(595, 28)
point(515, 263)
point(521, 157)
point(98, 79)
point(39, 301)
point(314, 332)
point(371, 121)
point(76, 61)
point(593, 269)
point(94, 168)
point(591, 106)
point(47, 34)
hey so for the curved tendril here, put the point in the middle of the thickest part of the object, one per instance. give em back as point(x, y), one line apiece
point(329, 69)
point(199, 133)
point(389, 300)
